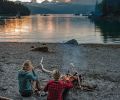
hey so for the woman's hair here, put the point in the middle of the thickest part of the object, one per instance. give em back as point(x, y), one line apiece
point(27, 64)
point(56, 75)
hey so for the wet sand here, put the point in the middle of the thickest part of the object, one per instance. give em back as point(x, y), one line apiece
point(99, 65)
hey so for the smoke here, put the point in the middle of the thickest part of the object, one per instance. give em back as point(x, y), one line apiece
point(72, 57)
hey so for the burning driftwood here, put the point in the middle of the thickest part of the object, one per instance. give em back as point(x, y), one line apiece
point(78, 81)
point(75, 78)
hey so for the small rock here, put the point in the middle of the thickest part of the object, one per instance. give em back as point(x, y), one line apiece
point(73, 41)
point(44, 44)
point(3, 57)
point(3, 88)
point(32, 47)
point(1, 70)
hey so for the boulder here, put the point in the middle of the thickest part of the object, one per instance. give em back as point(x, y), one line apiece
point(73, 41)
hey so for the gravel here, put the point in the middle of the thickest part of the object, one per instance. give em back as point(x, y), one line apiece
point(99, 65)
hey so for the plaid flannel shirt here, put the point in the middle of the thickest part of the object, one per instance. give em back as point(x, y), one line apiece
point(55, 89)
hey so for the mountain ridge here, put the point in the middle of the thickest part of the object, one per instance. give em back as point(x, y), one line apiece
point(59, 8)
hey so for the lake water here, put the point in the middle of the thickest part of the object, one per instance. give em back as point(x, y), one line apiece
point(58, 28)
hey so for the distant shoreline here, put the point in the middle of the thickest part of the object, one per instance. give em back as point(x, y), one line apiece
point(97, 44)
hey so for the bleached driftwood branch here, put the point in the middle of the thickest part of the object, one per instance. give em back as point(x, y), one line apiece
point(43, 69)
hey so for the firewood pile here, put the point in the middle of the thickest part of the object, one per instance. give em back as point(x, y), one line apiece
point(77, 81)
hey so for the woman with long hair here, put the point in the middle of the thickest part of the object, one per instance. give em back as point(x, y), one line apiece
point(28, 80)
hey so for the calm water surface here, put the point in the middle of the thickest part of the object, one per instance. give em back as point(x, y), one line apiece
point(58, 28)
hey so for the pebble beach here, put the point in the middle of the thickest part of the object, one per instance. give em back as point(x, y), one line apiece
point(99, 64)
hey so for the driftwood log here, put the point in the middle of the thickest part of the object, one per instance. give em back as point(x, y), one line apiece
point(40, 49)
point(5, 98)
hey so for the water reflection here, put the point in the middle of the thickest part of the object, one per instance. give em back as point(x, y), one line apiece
point(109, 30)
point(57, 28)
point(15, 29)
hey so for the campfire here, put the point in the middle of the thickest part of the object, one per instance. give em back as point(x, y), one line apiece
point(75, 78)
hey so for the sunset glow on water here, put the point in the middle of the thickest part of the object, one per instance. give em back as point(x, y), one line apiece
point(54, 28)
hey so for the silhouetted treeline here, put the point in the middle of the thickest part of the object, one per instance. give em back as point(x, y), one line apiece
point(110, 7)
point(12, 8)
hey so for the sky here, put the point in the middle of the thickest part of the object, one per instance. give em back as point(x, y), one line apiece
point(82, 1)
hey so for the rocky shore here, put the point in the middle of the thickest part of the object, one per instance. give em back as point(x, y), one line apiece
point(99, 65)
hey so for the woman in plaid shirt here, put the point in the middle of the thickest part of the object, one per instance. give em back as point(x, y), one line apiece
point(56, 87)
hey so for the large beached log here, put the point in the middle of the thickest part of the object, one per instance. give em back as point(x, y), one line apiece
point(41, 49)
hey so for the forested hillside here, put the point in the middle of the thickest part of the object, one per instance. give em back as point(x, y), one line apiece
point(12, 8)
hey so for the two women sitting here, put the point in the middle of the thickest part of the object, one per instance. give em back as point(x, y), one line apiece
point(28, 83)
